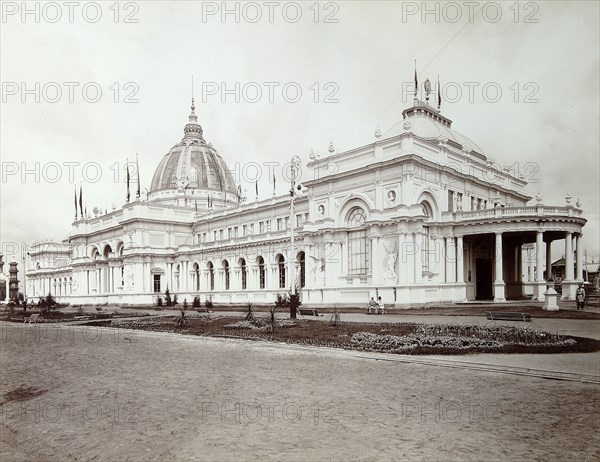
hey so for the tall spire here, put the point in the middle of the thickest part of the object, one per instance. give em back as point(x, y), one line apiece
point(193, 130)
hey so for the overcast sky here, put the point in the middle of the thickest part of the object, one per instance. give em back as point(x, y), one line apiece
point(351, 61)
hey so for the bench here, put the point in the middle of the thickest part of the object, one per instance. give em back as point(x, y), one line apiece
point(303, 311)
point(508, 316)
point(202, 310)
point(31, 319)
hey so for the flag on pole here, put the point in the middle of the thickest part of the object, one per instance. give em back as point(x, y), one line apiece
point(128, 178)
point(416, 81)
point(439, 94)
point(196, 204)
point(207, 201)
point(75, 191)
point(137, 169)
point(81, 200)
point(256, 187)
point(273, 183)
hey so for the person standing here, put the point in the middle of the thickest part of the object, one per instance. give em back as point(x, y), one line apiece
point(381, 306)
point(580, 297)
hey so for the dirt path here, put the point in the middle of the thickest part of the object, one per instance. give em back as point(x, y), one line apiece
point(162, 397)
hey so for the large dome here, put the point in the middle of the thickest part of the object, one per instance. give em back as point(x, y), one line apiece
point(423, 121)
point(192, 168)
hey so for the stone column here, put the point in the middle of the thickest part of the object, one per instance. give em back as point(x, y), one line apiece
point(548, 260)
point(376, 261)
point(539, 285)
point(418, 258)
point(569, 286)
point(569, 257)
point(578, 258)
point(460, 260)
point(499, 280)
point(450, 259)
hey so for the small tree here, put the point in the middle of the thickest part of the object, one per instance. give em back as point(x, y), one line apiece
point(335, 320)
point(24, 306)
point(249, 312)
point(208, 303)
point(159, 301)
point(175, 300)
point(196, 302)
point(272, 321)
point(182, 320)
point(168, 300)
point(50, 302)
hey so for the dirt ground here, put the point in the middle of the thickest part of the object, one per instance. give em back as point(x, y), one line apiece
point(98, 394)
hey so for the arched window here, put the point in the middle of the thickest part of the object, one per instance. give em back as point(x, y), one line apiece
point(243, 273)
point(211, 275)
point(301, 258)
point(196, 270)
point(261, 272)
point(428, 211)
point(359, 255)
point(356, 217)
point(281, 267)
point(107, 251)
point(226, 273)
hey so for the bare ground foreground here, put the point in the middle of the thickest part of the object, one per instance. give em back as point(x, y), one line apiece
point(116, 395)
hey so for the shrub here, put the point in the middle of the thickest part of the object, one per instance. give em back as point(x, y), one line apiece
point(168, 300)
point(159, 301)
point(185, 304)
point(50, 302)
point(174, 299)
point(196, 302)
point(282, 301)
point(208, 303)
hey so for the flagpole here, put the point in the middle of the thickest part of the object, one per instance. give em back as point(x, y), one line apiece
point(81, 200)
point(127, 168)
point(137, 168)
point(75, 191)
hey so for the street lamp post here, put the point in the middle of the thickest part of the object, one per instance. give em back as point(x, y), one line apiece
point(293, 189)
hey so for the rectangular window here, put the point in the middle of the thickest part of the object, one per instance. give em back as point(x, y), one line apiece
point(298, 221)
point(229, 233)
point(251, 229)
point(268, 226)
point(279, 224)
point(450, 201)
point(287, 222)
point(214, 235)
point(221, 234)
point(358, 252)
point(156, 281)
point(235, 232)
point(261, 227)
point(245, 230)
